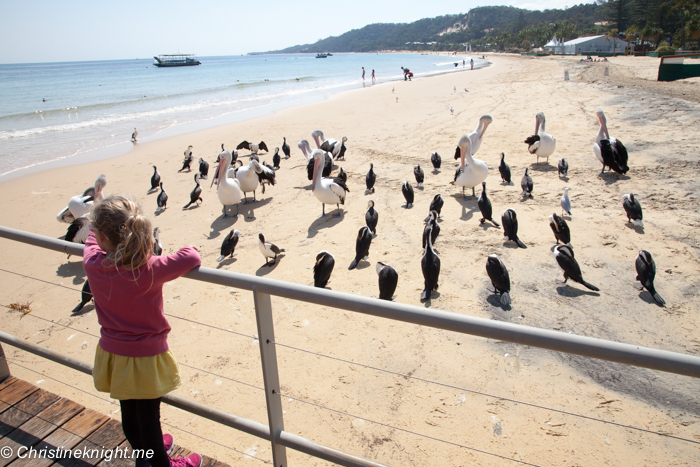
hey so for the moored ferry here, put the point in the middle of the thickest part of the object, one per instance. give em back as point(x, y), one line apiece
point(175, 60)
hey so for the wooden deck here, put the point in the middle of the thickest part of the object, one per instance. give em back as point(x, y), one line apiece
point(32, 417)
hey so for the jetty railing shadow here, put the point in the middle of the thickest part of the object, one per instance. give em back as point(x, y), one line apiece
point(262, 288)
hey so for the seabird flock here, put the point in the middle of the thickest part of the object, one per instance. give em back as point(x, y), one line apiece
point(236, 181)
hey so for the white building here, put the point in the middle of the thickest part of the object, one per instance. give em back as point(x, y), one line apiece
point(555, 46)
point(591, 44)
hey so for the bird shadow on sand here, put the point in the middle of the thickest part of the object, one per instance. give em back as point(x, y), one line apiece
point(248, 210)
point(158, 212)
point(151, 191)
point(83, 311)
point(266, 269)
point(646, 296)
point(307, 188)
point(637, 228)
point(611, 177)
point(526, 198)
point(220, 224)
point(543, 167)
point(363, 264)
point(564, 178)
point(324, 223)
point(468, 206)
point(190, 208)
point(511, 244)
point(226, 262)
point(74, 270)
point(495, 300)
point(486, 225)
point(566, 218)
point(369, 192)
point(569, 291)
point(427, 302)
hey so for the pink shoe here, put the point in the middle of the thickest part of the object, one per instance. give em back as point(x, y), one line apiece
point(193, 460)
point(169, 443)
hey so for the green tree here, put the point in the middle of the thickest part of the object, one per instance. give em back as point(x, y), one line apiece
point(619, 13)
point(612, 36)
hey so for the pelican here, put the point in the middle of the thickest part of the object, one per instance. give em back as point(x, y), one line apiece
point(325, 262)
point(473, 172)
point(499, 278)
point(228, 187)
point(504, 170)
point(196, 194)
point(371, 218)
point(157, 245)
point(633, 209)
point(249, 177)
point(485, 207)
point(565, 203)
point(78, 230)
point(609, 151)
point(327, 190)
point(362, 244)
point(541, 143)
point(79, 205)
point(430, 265)
point(155, 179)
point(306, 150)
point(335, 148)
point(560, 229)
point(228, 245)
point(370, 178)
point(253, 148)
point(285, 148)
point(564, 254)
point(646, 271)
point(477, 135)
point(388, 278)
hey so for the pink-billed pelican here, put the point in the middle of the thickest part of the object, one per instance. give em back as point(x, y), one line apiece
point(471, 172)
point(541, 144)
point(79, 205)
point(327, 190)
point(477, 135)
point(228, 187)
point(250, 176)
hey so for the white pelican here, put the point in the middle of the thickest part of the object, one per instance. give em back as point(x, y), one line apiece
point(334, 147)
point(541, 144)
point(249, 177)
point(471, 172)
point(306, 149)
point(477, 135)
point(327, 190)
point(228, 187)
point(79, 205)
point(609, 151)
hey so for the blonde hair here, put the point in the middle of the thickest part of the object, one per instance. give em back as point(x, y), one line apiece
point(122, 221)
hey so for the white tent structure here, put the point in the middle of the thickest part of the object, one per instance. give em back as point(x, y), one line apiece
point(591, 44)
point(555, 46)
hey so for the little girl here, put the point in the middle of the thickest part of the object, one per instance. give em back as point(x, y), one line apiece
point(132, 360)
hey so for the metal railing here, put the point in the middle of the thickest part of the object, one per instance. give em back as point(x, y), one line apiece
point(263, 288)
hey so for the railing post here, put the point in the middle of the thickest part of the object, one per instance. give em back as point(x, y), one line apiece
point(268, 356)
point(4, 368)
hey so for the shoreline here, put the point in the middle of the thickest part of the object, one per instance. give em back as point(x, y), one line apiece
point(482, 379)
point(123, 148)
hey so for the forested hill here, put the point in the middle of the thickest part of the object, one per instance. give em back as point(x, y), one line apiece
point(481, 26)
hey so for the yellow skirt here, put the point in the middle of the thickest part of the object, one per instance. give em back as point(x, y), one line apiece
point(135, 377)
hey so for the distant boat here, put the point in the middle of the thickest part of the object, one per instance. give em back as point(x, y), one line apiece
point(323, 55)
point(175, 60)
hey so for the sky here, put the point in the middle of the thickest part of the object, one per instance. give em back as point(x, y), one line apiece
point(77, 30)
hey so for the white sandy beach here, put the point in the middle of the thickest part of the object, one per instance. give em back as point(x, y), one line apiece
point(394, 130)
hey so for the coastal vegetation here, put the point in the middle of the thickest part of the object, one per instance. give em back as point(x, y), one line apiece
point(657, 23)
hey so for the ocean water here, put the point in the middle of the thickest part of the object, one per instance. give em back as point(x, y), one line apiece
point(91, 108)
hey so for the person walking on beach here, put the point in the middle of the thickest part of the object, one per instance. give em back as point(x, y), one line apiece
point(472, 63)
point(132, 360)
point(363, 73)
point(374, 80)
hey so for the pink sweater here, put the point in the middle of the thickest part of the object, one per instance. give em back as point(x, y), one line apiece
point(131, 312)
